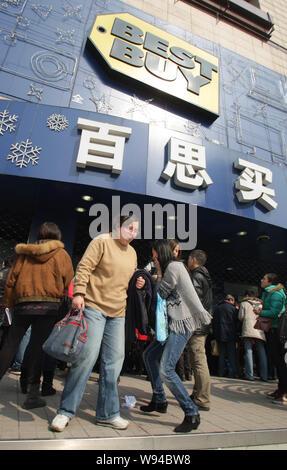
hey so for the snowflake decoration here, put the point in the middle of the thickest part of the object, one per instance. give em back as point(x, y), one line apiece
point(7, 121)
point(65, 36)
point(34, 91)
point(139, 106)
point(15, 3)
point(42, 10)
point(73, 11)
point(101, 105)
point(78, 99)
point(57, 122)
point(24, 153)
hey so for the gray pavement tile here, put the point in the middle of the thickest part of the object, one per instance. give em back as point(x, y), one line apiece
point(237, 406)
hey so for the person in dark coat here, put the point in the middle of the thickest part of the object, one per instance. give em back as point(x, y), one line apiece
point(196, 345)
point(225, 326)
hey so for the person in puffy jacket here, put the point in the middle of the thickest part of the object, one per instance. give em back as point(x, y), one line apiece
point(274, 303)
point(34, 289)
point(251, 336)
point(225, 326)
point(196, 345)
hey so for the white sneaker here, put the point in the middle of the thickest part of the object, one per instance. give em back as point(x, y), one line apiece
point(116, 423)
point(59, 423)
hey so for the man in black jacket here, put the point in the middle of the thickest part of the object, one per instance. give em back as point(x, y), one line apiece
point(225, 329)
point(202, 283)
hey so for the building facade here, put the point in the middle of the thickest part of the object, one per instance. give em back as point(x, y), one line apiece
point(175, 108)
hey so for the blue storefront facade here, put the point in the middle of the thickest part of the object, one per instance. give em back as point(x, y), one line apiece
point(72, 126)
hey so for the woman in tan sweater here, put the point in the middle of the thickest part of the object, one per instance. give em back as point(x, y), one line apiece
point(34, 289)
point(100, 288)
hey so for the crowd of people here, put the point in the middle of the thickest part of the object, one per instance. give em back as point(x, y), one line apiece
point(119, 304)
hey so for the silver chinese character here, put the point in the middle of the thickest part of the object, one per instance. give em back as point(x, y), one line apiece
point(252, 184)
point(187, 163)
point(102, 145)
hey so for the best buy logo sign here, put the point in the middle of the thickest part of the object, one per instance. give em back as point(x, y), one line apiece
point(158, 59)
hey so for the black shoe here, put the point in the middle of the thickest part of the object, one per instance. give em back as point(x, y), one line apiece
point(23, 385)
point(152, 406)
point(33, 399)
point(189, 423)
point(47, 389)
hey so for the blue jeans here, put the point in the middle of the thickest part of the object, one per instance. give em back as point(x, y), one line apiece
point(21, 349)
point(227, 349)
point(160, 361)
point(262, 358)
point(105, 334)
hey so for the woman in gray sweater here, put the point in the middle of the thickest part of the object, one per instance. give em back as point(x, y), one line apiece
point(185, 315)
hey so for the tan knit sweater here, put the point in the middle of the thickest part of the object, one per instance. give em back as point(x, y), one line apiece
point(40, 273)
point(103, 275)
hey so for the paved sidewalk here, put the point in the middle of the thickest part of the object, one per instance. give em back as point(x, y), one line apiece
point(240, 416)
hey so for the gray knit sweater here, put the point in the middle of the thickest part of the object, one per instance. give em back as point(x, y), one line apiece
point(184, 308)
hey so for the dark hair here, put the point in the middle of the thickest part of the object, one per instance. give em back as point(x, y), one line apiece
point(199, 255)
point(250, 293)
point(121, 219)
point(164, 253)
point(49, 231)
point(173, 243)
point(273, 278)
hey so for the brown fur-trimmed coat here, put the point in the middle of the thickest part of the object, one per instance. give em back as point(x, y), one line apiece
point(40, 273)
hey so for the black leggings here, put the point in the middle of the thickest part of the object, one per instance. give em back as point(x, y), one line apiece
point(41, 327)
point(277, 355)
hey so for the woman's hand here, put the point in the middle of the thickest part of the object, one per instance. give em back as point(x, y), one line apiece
point(158, 269)
point(140, 282)
point(78, 302)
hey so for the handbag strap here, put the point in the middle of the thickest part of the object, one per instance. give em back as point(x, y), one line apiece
point(70, 314)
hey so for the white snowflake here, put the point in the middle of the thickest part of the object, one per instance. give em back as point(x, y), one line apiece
point(24, 153)
point(7, 121)
point(57, 122)
point(73, 11)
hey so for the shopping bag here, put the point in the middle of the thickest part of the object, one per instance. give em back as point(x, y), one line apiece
point(67, 337)
point(263, 323)
point(161, 320)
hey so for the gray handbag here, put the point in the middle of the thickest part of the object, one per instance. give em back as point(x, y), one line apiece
point(67, 337)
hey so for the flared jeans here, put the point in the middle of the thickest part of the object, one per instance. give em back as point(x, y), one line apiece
point(106, 335)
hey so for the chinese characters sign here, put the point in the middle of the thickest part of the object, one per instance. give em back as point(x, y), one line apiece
point(102, 146)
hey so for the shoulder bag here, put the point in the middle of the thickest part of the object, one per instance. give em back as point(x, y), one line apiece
point(263, 323)
point(67, 337)
point(161, 320)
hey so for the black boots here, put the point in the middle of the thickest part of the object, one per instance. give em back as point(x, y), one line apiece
point(33, 399)
point(189, 423)
point(152, 406)
point(47, 384)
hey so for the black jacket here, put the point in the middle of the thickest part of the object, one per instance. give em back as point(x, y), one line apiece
point(141, 306)
point(225, 322)
point(203, 285)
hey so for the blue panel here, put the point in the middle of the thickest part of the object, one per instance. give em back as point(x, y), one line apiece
point(44, 60)
point(58, 154)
